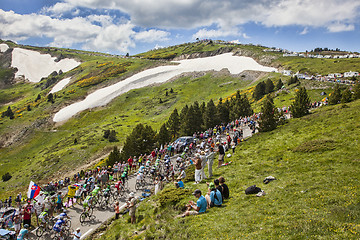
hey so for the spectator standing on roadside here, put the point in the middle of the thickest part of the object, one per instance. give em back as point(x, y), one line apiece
point(117, 210)
point(197, 170)
point(221, 151)
point(210, 160)
point(131, 205)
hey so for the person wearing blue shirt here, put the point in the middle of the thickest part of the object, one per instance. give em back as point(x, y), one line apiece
point(199, 207)
point(179, 183)
point(23, 232)
point(214, 198)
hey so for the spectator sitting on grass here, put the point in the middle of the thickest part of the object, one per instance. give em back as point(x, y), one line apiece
point(198, 208)
point(225, 188)
point(179, 183)
point(213, 197)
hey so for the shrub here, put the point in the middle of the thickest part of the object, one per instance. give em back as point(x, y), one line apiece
point(190, 174)
point(6, 177)
point(173, 196)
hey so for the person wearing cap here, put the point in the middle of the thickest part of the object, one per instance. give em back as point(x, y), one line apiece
point(179, 183)
point(76, 234)
point(17, 222)
point(131, 205)
point(24, 232)
point(199, 207)
point(213, 197)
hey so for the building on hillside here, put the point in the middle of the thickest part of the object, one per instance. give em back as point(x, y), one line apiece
point(287, 72)
point(351, 74)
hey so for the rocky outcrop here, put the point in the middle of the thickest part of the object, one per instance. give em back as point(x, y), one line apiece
point(263, 59)
point(204, 54)
point(7, 76)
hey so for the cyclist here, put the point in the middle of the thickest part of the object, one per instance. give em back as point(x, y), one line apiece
point(24, 232)
point(44, 217)
point(96, 190)
point(140, 177)
point(59, 225)
point(87, 203)
point(123, 177)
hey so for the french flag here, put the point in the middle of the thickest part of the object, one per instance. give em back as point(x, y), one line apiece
point(33, 191)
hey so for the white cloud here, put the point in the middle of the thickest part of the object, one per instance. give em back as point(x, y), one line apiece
point(191, 14)
point(152, 35)
point(305, 31)
point(95, 32)
point(216, 33)
point(339, 27)
point(58, 9)
point(244, 35)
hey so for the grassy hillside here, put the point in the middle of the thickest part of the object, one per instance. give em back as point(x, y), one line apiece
point(54, 149)
point(315, 160)
point(42, 149)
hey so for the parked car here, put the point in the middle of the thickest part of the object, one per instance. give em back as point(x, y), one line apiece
point(184, 142)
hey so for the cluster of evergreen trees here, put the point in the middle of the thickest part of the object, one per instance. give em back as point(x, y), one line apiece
point(193, 118)
point(263, 88)
point(345, 95)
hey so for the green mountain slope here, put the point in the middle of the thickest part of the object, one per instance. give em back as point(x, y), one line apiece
point(315, 160)
point(33, 147)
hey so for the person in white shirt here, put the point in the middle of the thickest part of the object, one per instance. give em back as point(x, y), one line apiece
point(77, 234)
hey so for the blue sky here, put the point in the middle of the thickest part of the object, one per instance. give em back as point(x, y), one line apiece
point(121, 26)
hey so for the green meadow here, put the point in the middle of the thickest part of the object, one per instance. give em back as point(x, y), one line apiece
point(315, 160)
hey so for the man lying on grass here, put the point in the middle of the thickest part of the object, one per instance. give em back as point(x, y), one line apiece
point(198, 208)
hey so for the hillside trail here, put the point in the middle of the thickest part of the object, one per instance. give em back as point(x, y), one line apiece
point(101, 216)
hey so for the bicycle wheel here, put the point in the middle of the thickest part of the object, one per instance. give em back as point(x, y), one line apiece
point(83, 217)
point(90, 212)
point(137, 186)
point(68, 223)
point(40, 231)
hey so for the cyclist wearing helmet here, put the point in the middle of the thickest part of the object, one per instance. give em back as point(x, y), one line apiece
point(24, 232)
point(87, 202)
point(44, 217)
point(59, 224)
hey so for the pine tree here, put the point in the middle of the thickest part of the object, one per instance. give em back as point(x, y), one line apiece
point(267, 120)
point(293, 80)
point(356, 91)
point(38, 98)
point(198, 118)
point(163, 136)
point(346, 95)
point(222, 112)
point(112, 136)
point(259, 91)
point(335, 96)
point(141, 140)
point(203, 109)
point(173, 124)
point(28, 108)
point(210, 115)
point(300, 106)
point(269, 86)
point(8, 113)
point(279, 84)
point(50, 98)
point(114, 156)
point(171, 90)
point(160, 101)
point(188, 123)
